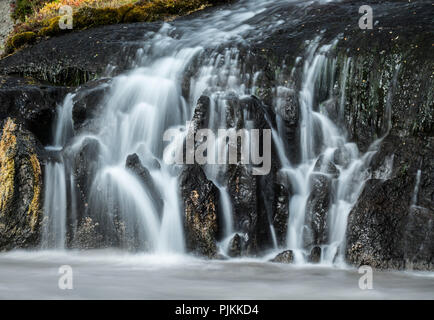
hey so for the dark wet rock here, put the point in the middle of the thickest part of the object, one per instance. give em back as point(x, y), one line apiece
point(87, 101)
point(77, 57)
point(32, 103)
point(288, 120)
point(84, 167)
point(253, 196)
point(134, 164)
point(283, 194)
point(21, 187)
point(200, 200)
point(284, 257)
point(317, 207)
point(236, 246)
point(315, 255)
point(385, 232)
point(385, 228)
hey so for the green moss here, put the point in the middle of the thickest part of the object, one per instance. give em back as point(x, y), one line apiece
point(52, 27)
point(19, 40)
point(87, 17)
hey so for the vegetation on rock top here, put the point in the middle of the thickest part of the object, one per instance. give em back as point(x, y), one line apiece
point(38, 19)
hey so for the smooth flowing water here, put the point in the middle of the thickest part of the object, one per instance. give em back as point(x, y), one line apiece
point(116, 275)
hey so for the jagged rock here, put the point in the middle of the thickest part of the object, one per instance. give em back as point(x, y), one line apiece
point(284, 257)
point(87, 235)
point(84, 169)
point(236, 246)
point(69, 60)
point(281, 207)
point(21, 187)
point(289, 114)
point(133, 163)
point(315, 255)
point(87, 101)
point(385, 230)
point(317, 207)
point(31, 103)
point(200, 198)
point(252, 196)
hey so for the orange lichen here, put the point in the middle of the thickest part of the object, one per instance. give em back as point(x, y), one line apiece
point(35, 204)
point(8, 151)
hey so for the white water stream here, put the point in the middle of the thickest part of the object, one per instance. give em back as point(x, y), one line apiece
point(143, 103)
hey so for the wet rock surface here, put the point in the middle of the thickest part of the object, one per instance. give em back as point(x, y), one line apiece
point(134, 164)
point(284, 257)
point(317, 208)
point(21, 186)
point(200, 197)
point(315, 255)
point(391, 225)
point(32, 103)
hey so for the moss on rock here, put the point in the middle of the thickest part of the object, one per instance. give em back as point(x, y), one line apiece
point(87, 17)
point(20, 40)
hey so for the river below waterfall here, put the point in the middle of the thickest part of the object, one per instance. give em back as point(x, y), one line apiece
point(107, 274)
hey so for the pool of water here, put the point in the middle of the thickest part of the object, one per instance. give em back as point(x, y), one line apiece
point(106, 274)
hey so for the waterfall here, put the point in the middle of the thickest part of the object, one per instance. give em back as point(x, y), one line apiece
point(140, 203)
point(55, 194)
point(322, 143)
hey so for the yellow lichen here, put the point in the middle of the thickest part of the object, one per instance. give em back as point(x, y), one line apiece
point(7, 164)
point(35, 204)
point(86, 16)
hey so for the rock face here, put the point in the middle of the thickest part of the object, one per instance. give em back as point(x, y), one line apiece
point(317, 210)
point(133, 163)
point(236, 246)
point(315, 255)
point(392, 223)
point(200, 197)
point(21, 187)
point(32, 103)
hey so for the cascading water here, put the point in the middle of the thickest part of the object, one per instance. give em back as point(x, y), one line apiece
point(322, 143)
point(146, 101)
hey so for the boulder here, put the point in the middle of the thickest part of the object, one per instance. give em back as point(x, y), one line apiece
point(21, 191)
point(315, 255)
point(236, 246)
point(284, 257)
point(33, 104)
point(317, 207)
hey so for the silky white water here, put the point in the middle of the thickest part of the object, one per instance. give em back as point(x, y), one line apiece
point(143, 103)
